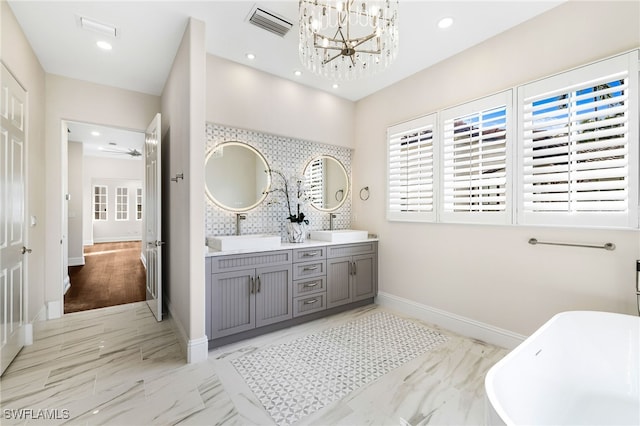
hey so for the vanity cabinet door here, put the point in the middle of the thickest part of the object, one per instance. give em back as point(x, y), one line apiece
point(233, 302)
point(364, 276)
point(338, 281)
point(274, 295)
point(351, 278)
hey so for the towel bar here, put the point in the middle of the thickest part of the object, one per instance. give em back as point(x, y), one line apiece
point(606, 246)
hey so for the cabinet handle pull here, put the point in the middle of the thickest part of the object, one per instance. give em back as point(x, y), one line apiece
point(310, 268)
point(313, 284)
point(354, 268)
point(310, 302)
point(252, 286)
point(311, 254)
point(350, 269)
point(258, 284)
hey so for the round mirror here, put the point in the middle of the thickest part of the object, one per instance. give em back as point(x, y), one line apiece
point(236, 177)
point(327, 182)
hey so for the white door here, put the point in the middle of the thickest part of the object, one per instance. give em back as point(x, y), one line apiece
point(153, 217)
point(12, 217)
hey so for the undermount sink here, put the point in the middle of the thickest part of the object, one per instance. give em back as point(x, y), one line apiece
point(240, 242)
point(340, 235)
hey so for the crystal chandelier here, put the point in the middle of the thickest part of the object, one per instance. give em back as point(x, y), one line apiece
point(344, 40)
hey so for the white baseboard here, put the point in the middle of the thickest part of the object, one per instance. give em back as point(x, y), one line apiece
point(28, 334)
point(88, 243)
point(67, 284)
point(196, 350)
point(76, 261)
point(449, 321)
point(143, 259)
point(54, 309)
point(117, 239)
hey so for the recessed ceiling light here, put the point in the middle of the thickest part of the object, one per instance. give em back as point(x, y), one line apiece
point(297, 73)
point(104, 45)
point(94, 133)
point(250, 56)
point(445, 23)
point(335, 85)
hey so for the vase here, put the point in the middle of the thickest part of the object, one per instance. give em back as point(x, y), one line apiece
point(296, 232)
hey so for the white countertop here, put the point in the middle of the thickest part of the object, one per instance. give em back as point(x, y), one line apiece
point(209, 252)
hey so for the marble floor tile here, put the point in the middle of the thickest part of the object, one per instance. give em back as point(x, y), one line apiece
point(118, 366)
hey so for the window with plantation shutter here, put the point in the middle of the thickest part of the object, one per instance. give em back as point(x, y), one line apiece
point(577, 155)
point(314, 177)
point(410, 170)
point(476, 144)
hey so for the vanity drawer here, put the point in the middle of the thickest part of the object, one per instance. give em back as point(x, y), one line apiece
point(309, 269)
point(308, 286)
point(237, 262)
point(308, 304)
point(308, 254)
point(341, 250)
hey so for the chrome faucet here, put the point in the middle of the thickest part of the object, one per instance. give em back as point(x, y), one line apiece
point(331, 217)
point(239, 217)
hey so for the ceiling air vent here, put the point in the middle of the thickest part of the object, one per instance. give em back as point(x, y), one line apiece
point(269, 21)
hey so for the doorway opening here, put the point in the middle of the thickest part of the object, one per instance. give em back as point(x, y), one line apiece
point(105, 264)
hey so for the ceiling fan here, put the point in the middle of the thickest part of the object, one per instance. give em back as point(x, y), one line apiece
point(128, 151)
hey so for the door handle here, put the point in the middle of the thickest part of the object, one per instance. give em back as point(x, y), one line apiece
point(156, 243)
point(25, 250)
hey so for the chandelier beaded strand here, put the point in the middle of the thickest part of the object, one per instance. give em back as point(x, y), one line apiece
point(345, 40)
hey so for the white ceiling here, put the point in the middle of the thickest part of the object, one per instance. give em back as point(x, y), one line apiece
point(110, 142)
point(149, 33)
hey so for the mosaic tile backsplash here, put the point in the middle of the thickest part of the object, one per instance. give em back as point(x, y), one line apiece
point(288, 155)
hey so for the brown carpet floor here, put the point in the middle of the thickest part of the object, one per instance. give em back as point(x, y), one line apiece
point(112, 275)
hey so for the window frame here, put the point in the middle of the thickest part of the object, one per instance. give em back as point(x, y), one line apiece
point(574, 80)
point(478, 106)
point(139, 211)
point(121, 204)
point(100, 204)
point(423, 123)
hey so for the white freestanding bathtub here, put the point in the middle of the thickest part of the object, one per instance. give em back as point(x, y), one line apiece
point(579, 368)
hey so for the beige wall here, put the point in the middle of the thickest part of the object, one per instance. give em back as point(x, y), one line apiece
point(183, 136)
point(112, 172)
point(76, 100)
point(75, 208)
point(19, 58)
point(489, 273)
point(239, 96)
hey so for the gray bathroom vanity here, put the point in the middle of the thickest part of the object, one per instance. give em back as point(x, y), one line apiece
point(254, 292)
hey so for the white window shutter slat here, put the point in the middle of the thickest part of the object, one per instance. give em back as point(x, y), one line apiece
point(476, 148)
point(410, 167)
point(575, 156)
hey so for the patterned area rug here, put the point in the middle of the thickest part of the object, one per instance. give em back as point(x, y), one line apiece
point(295, 379)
